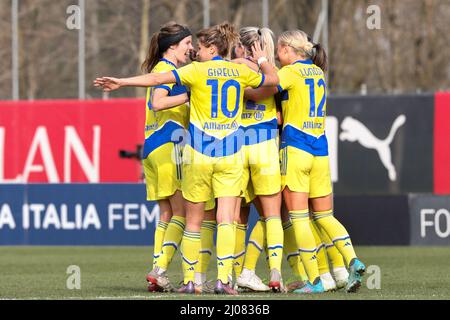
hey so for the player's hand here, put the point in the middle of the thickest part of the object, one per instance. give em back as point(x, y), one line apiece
point(108, 84)
point(257, 51)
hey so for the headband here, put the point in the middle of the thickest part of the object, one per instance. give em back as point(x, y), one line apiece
point(166, 42)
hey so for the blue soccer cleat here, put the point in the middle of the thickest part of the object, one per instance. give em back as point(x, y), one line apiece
point(311, 288)
point(357, 270)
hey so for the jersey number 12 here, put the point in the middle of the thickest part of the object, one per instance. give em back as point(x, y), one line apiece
point(312, 96)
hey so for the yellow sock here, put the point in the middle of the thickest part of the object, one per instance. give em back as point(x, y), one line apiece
point(336, 258)
point(305, 242)
point(274, 242)
point(207, 243)
point(225, 250)
point(190, 250)
point(337, 233)
point(239, 248)
point(172, 239)
point(291, 251)
point(322, 258)
point(158, 242)
point(256, 244)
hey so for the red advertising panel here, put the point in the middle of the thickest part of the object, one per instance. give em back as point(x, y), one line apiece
point(70, 141)
point(442, 144)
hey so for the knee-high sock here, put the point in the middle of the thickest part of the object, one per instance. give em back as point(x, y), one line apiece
point(158, 241)
point(291, 251)
point(274, 230)
point(305, 242)
point(337, 233)
point(172, 239)
point(207, 244)
point(190, 251)
point(322, 258)
point(255, 246)
point(239, 249)
point(335, 257)
point(225, 250)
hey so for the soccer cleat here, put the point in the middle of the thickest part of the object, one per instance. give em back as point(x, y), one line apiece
point(221, 288)
point(311, 289)
point(188, 288)
point(341, 277)
point(357, 269)
point(276, 282)
point(158, 278)
point(328, 282)
point(249, 280)
point(206, 287)
point(153, 288)
point(294, 285)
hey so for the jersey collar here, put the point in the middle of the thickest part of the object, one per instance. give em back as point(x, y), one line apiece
point(217, 58)
point(169, 62)
point(304, 61)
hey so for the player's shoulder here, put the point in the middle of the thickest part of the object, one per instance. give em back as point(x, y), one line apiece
point(163, 66)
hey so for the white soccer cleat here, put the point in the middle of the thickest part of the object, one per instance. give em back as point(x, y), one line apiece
point(328, 282)
point(341, 276)
point(249, 280)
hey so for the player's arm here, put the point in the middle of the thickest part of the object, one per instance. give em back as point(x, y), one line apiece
point(162, 101)
point(248, 63)
point(146, 80)
point(269, 71)
point(260, 93)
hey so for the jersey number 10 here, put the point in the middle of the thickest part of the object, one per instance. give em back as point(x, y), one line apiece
point(312, 96)
point(223, 98)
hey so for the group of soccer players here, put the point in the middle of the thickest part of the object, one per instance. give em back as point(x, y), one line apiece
point(213, 147)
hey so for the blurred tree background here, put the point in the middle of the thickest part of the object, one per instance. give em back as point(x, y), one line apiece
point(410, 54)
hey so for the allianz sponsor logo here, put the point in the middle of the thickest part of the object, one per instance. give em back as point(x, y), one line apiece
point(215, 126)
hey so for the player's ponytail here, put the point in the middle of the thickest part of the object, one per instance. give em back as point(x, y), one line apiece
point(169, 34)
point(249, 35)
point(222, 36)
point(320, 57)
point(301, 44)
point(153, 55)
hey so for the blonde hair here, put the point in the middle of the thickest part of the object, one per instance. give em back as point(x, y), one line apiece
point(302, 45)
point(249, 35)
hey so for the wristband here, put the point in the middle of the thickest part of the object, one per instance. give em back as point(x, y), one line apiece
point(262, 60)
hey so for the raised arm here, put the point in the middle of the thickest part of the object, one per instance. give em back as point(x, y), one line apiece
point(269, 71)
point(146, 80)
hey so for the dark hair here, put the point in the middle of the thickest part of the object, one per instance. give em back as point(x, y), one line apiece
point(320, 57)
point(169, 34)
point(223, 36)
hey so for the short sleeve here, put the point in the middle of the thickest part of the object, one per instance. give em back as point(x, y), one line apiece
point(253, 79)
point(186, 75)
point(286, 79)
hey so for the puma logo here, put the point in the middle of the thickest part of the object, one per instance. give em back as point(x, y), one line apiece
point(355, 131)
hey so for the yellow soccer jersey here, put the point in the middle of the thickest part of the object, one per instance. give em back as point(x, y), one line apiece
point(216, 103)
point(167, 125)
point(304, 103)
point(259, 120)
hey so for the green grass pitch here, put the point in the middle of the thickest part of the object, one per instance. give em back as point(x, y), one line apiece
point(119, 273)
